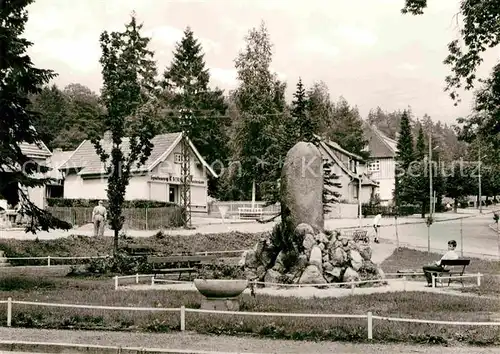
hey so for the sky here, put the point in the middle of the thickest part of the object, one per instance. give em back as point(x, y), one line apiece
point(364, 50)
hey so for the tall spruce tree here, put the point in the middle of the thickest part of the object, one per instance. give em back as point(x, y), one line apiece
point(130, 95)
point(19, 79)
point(420, 149)
point(186, 83)
point(418, 178)
point(404, 157)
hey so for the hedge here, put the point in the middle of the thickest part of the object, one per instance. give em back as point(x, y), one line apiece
point(87, 203)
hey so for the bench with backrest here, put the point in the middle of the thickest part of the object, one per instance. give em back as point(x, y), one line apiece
point(250, 213)
point(178, 264)
point(454, 267)
point(138, 250)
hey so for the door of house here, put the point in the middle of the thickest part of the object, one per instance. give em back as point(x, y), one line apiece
point(173, 192)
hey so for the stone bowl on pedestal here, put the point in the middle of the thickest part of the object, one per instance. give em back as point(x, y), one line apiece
point(220, 294)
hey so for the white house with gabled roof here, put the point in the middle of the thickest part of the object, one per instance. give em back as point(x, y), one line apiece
point(382, 161)
point(159, 179)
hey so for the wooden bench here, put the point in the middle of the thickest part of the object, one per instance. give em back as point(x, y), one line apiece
point(138, 250)
point(463, 263)
point(250, 213)
point(178, 264)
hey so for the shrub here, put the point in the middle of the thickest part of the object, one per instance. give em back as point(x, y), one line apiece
point(120, 263)
point(88, 203)
point(221, 270)
point(403, 210)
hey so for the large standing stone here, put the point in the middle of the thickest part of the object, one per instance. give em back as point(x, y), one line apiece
point(302, 186)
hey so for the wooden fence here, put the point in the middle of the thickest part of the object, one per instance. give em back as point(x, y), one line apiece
point(233, 206)
point(135, 218)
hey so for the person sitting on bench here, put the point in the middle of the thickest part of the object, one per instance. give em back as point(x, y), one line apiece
point(436, 267)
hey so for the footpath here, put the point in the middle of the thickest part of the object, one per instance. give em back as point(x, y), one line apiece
point(65, 341)
point(216, 225)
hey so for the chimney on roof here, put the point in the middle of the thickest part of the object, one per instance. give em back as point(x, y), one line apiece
point(107, 136)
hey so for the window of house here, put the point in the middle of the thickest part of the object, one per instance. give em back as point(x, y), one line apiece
point(374, 166)
point(177, 158)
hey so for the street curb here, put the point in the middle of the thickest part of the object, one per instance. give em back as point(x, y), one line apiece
point(41, 347)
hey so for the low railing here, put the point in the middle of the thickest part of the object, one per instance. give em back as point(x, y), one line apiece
point(369, 317)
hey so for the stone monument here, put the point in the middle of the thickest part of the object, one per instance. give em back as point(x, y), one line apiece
point(299, 250)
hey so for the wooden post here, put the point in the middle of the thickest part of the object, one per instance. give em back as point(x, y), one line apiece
point(137, 278)
point(478, 279)
point(9, 312)
point(370, 325)
point(397, 234)
point(183, 318)
point(147, 226)
point(428, 238)
point(433, 280)
point(352, 287)
point(48, 261)
point(116, 282)
point(461, 238)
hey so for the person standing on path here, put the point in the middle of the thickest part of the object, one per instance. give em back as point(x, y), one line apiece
point(376, 226)
point(99, 217)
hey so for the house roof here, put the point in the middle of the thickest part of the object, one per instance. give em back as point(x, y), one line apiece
point(365, 180)
point(35, 150)
point(55, 161)
point(86, 160)
point(335, 146)
point(379, 144)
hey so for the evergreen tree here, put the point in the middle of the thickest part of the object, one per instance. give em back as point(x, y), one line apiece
point(129, 93)
point(331, 184)
point(404, 157)
point(347, 129)
point(20, 79)
point(186, 83)
point(420, 147)
point(405, 153)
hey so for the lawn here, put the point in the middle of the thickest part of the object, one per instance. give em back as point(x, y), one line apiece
point(405, 258)
point(50, 287)
point(77, 246)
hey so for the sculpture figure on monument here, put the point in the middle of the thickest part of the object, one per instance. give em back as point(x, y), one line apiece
point(99, 217)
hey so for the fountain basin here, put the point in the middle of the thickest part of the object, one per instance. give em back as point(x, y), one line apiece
point(220, 288)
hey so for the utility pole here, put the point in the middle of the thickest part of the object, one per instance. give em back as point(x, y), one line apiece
point(431, 194)
point(479, 180)
point(186, 177)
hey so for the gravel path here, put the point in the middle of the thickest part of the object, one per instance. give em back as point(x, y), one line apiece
point(219, 344)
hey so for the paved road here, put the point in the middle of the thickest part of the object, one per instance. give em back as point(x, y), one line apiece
point(219, 344)
point(478, 238)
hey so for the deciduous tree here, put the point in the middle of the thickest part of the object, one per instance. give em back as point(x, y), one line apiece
point(129, 94)
point(479, 32)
